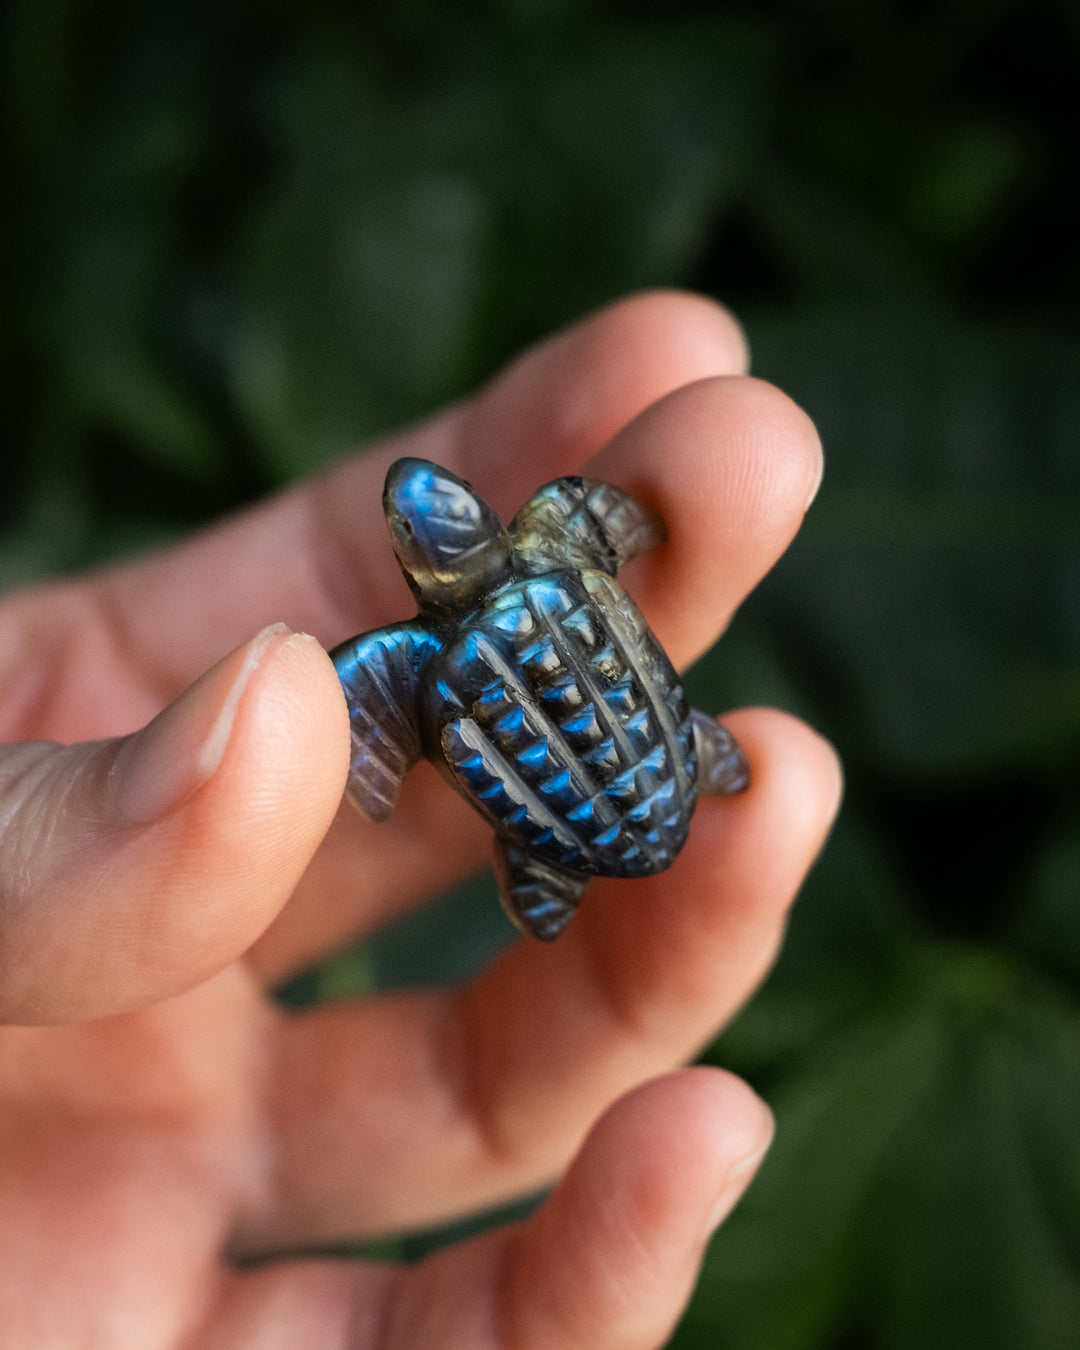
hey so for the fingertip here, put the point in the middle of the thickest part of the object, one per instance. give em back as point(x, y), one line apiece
point(562, 400)
point(148, 864)
point(698, 335)
point(697, 1136)
point(223, 864)
point(612, 1256)
point(157, 768)
point(766, 415)
point(730, 462)
point(680, 953)
point(297, 706)
point(749, 1127)
point(791, 762)
point(749, 854)
point(280, 781)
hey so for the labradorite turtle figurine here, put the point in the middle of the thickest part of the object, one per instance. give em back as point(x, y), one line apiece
point(531, 681)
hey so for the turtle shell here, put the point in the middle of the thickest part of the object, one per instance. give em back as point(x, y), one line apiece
point(560, 717)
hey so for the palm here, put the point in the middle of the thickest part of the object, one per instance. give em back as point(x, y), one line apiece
point(144, 1149)
point(161, 1103)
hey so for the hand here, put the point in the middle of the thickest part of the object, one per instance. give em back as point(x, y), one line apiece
point(160, 1116)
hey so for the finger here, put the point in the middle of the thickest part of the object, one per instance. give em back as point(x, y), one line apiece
point(607, 1263)
point(731, 463)
point(323, 1304)
point(318, 556)
point(135, 868)
point(416, 1107)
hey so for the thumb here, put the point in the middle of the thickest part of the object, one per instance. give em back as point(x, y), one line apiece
point(133, 869)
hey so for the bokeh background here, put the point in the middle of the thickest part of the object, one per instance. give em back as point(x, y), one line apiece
point(240, 238)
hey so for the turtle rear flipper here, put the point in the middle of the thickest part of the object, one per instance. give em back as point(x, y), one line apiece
point(380, 673)
point(539, 897)
point(579, 522)
point(722, 766)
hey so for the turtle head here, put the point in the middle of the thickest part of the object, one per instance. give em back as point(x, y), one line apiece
point(450, 544)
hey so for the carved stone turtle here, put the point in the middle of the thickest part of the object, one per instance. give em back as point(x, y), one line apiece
point(531, 681)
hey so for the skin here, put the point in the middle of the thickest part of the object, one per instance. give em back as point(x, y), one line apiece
point(161, 1117)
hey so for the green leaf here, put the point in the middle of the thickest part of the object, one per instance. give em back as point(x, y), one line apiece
point(1048, 921)
point(922, 602)
point(787, 1267)
point(850, 937)
point(121, 388)
point(974, 1261)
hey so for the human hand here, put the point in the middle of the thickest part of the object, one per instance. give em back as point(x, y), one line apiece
point(161, 1117)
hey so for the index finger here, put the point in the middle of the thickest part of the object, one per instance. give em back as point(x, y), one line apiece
point(317, 557)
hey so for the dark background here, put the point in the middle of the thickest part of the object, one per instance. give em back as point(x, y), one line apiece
point(237, 242)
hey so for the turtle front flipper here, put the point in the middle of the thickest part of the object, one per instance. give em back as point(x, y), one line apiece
point(580, 523)
point(379, 672)
point(539, 897)
point(722, 766)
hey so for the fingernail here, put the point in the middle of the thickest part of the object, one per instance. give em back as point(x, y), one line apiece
point(174, 755)
point(815, 484)
point(741, 1171)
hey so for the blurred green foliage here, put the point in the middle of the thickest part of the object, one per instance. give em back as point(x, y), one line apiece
point(239, 239)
